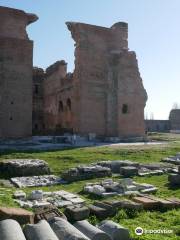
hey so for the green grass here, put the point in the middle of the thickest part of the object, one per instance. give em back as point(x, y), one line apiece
point(64, 159)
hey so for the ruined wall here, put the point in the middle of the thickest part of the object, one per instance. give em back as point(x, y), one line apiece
point(58, 98)
point(15, 74)
point(157, 125)
point(174, 118)
point(110, 97)
point(38, 101)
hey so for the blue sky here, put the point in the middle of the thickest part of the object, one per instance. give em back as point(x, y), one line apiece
point(154, 34)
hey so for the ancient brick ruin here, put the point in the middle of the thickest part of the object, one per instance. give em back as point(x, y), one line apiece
point(15, 73)
point(104, 96)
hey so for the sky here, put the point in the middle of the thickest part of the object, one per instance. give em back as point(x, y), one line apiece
point(154, 34)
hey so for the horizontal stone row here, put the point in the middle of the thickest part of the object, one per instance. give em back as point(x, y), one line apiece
point(59, 228)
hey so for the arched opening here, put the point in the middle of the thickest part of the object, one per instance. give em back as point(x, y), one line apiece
point(69, 104)
point(125, 108)
point(61, 107)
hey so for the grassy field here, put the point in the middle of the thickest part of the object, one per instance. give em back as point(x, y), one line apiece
point(64, 159)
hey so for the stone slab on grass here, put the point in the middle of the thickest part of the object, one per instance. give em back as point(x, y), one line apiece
point(77, 213)
point(20, 215)
point(147, 203)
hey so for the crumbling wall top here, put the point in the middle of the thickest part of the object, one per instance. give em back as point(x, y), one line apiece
point(14, 22)
point(114, 38)
point(55, 67)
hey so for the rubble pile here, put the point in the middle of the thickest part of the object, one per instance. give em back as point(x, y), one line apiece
point(123, 187)
point(128, 168)
point(36, 181)
point(38, 198)
point(86, 172)
point(24, 167)
point(173, 159)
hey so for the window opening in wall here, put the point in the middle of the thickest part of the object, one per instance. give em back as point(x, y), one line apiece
point(61, 107)
point(36, 126)
point(36, 89)
point(125, 108)
point(69, 104)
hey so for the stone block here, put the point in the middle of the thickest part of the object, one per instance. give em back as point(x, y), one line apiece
point(164, 204)
point(91, 231)
point(114, 230)
point(174, 179)
point(11, 230)
point(175, 201)
point(102, 210)
point(20, 215)
point(47, 213)
point(128, 171)
point(39, 231)
point(77, 213)
point(24, 167)
point(147, 203)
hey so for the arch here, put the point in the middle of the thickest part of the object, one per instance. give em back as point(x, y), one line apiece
point(61, 106)
point(124, 108)
point(69, 104)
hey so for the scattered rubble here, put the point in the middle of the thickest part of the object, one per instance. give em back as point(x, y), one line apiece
point(173, 159)
point(24, 167)
point(129, 169)
point(47, 213)
point(86, 172)
point(36, 181)
point(124, 187)
point(38, 199)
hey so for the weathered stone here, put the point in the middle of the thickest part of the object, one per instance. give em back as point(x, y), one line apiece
point(36, 181)
point(19, 195)
point(36, 195)
point(91, 231)
point(16, 73)
point(48, 213)
point(128, 171)
point(163, 204)
point(174, 179)
point(77, 213)
point(114, 230)
point(175, 201)
point(86, 172)
point(24, 167)
point(39, 231)
point(64, 230)
point(102, 210)
point(11, 230)
point(127, 204)
point(147, 203)
point(20, 215)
